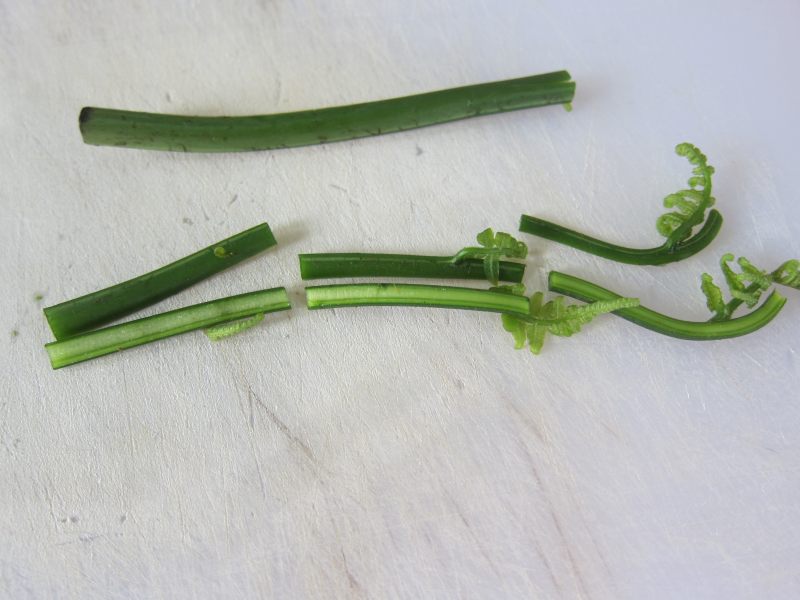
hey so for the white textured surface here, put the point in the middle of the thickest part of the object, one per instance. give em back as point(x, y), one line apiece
point(397, 453)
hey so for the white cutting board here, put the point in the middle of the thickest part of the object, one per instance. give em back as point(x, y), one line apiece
point(397, 453)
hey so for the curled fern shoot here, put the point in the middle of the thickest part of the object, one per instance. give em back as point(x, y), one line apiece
point(554, 317)
point(746, 286)
point(680, 226)
point(482, 262)
point(665, 325)
point(690, 204)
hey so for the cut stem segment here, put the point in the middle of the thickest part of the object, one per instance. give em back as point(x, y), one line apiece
point(650, 319)
point(98, 308)
point(141, 331)
point(406, 294)
point(151, 131)
point(333, 265)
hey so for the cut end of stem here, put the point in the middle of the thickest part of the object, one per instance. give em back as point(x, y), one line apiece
point(86, 114)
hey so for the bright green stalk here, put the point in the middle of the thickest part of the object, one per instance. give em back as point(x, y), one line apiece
point(109, 127)
point(98, 308)
point(404, 294)
point(141, 331)
point(650, 319)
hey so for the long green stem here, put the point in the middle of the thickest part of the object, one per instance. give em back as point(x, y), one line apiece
point(666, 253)
point(109, 127)
point(332, 265)
point(650, 319)
point(141, 331)
point(93, 310)
point(404, 294)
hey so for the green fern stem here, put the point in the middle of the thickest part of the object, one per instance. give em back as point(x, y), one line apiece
point(358, 264)
point(660, 255)
point(408, 294)
point(141, 331)
point(110, 127)
point(82, 314)
point(650, 319)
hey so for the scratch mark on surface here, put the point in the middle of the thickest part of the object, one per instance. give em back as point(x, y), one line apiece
point(351, 580)
point(752, 359)
point(48, 496)
point(526, 421)
point(597, 549)
point(610, 430)
point(282, 427)
point(338, 187)
point(547, 565)
point(557, 524)
point(251, 419)
point(573, 563)
point(182, 520)
point(475, 538)
point(261, 481)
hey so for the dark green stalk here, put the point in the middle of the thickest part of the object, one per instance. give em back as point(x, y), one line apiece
point(405, 294)
point(109, 127)
point(666, 253)
point(650, 319)
point(321, 266)
point(93, 310)
point(141, 331)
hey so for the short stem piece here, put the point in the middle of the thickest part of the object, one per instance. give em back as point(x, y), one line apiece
point(141, 331)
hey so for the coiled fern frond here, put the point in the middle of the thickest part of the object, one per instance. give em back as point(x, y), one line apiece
point(746, 286)
point(690, 204)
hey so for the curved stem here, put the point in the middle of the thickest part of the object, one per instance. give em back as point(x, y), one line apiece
point(650, 319)
point(635, 256)
point(92, 310)
point(405, 294)
point(109, 127)
point(141, 331)
point(320, 266)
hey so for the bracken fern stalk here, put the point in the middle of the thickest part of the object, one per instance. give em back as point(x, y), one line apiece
point(691, 209)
